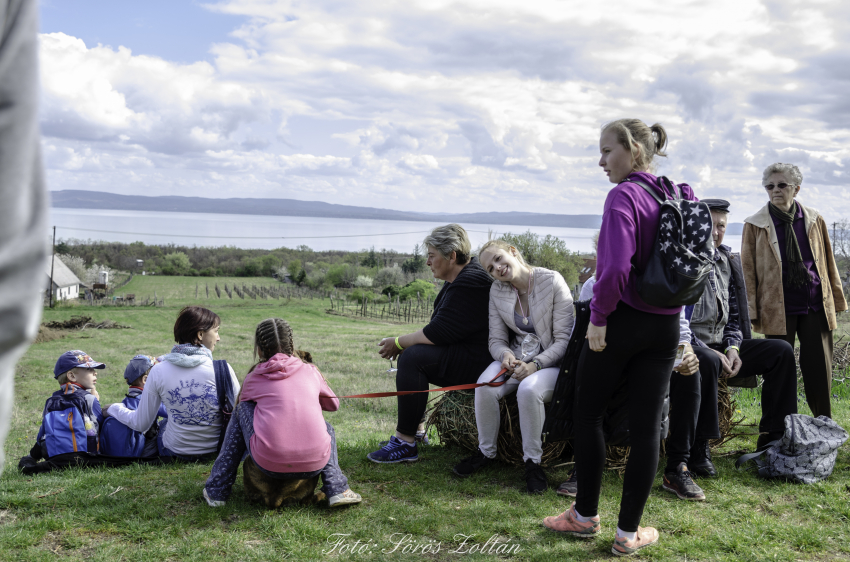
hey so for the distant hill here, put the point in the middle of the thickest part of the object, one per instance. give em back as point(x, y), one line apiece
point(80, 199)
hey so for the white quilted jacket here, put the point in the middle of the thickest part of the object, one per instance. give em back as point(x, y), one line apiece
point(552, 312)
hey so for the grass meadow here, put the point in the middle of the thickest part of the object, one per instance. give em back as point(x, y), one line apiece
point(410, 511)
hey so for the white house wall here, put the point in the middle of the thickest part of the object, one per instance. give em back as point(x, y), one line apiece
point(65, 293)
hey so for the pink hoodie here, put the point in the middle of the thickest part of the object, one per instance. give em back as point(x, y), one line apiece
point(290, 434)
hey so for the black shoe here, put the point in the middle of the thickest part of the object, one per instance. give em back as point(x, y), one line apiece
point(472, 464)
point(680, 483)
point(535, 478)
point(700, 461)
point(570, 487)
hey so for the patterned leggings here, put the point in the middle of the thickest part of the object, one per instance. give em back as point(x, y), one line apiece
point(237, 446)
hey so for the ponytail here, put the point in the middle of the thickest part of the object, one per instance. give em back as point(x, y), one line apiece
point(643, 142)
point(660, 136)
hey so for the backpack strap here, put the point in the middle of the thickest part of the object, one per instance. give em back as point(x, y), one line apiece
point(672, 187)
point(748, 457)
point(755, 456)
point(650, 191)
point(224, 393)
point(224, 386)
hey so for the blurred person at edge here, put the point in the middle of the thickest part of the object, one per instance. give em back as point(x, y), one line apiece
point(23, 214)
point(793, 282)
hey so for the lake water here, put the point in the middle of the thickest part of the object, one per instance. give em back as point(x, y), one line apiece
point(267, 232)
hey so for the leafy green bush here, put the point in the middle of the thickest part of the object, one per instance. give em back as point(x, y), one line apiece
point(176, 263)
point(425, 289)
point(358, 294)
point(391, 290)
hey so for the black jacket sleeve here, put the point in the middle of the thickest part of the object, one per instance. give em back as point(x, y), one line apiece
point(462, 313)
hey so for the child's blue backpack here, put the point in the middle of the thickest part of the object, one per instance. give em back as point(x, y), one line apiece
point(118, 440)
point(64, 424)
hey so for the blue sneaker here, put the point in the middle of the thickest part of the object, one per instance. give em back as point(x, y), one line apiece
point(394, 451)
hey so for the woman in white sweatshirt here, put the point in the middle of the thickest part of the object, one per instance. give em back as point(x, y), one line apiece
point(185, 383)
point(530, 304)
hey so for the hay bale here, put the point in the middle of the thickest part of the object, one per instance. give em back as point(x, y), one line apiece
point(616, 457)
point(454, 418)
point(274, 493)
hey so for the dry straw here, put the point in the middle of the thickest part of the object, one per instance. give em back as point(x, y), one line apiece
point(453, 417)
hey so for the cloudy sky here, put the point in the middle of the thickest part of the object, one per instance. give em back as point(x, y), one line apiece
point(476, 105)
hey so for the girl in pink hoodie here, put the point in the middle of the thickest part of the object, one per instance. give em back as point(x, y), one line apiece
point(278, 421)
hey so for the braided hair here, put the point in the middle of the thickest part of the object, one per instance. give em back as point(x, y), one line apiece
point(273, 336)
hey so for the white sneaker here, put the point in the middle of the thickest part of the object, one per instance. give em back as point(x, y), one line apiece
point(213, 503)
point(346, 498)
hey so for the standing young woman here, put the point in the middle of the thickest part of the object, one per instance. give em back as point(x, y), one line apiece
point(626, 338)
point(524, 300)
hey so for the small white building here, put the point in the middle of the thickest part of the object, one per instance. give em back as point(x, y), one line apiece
point(66, 285)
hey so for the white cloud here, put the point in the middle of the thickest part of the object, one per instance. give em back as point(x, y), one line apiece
point(482, 103)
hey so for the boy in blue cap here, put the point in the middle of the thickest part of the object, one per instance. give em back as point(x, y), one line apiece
point(119, 440)
point(72, 415)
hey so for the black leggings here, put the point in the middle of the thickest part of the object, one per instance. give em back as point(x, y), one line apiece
point(640, 347)
point(418, 366)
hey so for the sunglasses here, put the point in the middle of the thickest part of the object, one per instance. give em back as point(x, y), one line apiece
point(770, 186)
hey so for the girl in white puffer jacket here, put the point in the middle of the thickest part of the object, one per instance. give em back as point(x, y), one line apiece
point(531, 319)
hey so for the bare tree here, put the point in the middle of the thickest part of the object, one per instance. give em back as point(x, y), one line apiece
point(841, 240)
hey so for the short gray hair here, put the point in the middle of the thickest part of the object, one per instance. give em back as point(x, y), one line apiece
point(448, 239)
point(791, 172)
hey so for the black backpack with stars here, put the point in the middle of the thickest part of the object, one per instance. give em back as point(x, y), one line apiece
point(681, 257)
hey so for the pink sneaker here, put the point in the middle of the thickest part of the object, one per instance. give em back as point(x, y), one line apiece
point(568, 522)
point(645, 537)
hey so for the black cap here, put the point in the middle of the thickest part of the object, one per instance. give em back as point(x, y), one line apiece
point(719, 205)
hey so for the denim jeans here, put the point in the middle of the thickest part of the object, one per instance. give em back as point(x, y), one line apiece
point(237, 445)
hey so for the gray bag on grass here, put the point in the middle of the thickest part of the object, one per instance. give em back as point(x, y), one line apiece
point(806, 452)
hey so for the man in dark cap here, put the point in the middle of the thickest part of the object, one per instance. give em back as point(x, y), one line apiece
point(721, 340)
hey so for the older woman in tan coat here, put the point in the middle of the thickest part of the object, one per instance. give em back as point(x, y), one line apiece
point(792, 280)
point(532, 305)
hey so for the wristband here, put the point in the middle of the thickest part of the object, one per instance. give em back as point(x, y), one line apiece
point(536, 361)
point(398, 345)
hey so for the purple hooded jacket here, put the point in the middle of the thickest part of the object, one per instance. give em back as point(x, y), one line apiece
point(629, 226)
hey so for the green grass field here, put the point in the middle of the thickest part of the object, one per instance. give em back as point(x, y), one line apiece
point(153, 513)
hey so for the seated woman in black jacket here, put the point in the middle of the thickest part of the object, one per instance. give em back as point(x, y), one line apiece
point(451, 349)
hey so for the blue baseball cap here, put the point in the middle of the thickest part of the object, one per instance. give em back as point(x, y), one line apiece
point(72, 359)
point(137, 367)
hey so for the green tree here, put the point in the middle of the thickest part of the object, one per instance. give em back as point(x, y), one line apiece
point(176, 263)
point(268, 264)
point(371, 259)
point(294, 267)
point(550, 252)
point(416, 263)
